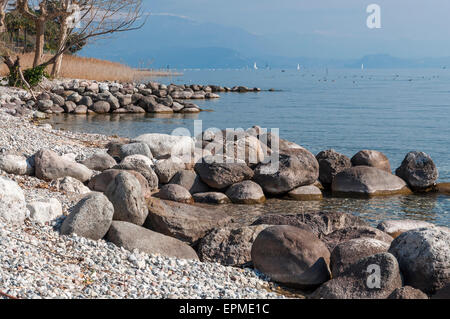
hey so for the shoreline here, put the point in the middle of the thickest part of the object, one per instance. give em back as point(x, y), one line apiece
point(31, 137)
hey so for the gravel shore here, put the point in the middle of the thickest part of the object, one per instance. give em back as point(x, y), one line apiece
point(36, 262)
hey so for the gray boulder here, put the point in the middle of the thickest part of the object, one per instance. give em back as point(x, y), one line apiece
point(90, 218)
point(188, 223)
point(190, 180)
point(211, 198)
point(291, 256)
point(50, 166)
point(99, 162)
point(165, 169)
point(342, 235)
point(331, 163)
point(398, 227)
point(12, 202)
point(125, 193)
point(16, 165)
point(246, 192)
point(407, 292)
point(135, 149)
point(131, 237)
point(418, 170)
point(365, 181)
point(306, 193)
point(424, 257)
point(374, 277)
point(162, 145)
point(142, 165)
point(175, 193)
point(373, 159)
point(101, 107)
point(229, 246)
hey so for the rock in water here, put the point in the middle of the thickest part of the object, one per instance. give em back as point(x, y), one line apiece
point(125, 193)
point(365, 181)
point(330, 164)
point(418, 170)
point(246, 192)
point(424, 257)
point(374, 277)
point(372, 158)
point(90, 218)
point(211, 198)
point(50, 166)
point(349, 252)
point(306, 193)
point(294, 170)
point(131, 236)
point(229, 246)
point(12, 202)
point(188, 223)
point(291, 256)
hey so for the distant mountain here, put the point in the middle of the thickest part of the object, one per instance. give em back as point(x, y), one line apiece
point(179, 42)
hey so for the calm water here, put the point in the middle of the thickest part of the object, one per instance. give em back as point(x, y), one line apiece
point(394, 111)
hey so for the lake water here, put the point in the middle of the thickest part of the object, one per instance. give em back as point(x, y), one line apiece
point(393, 111)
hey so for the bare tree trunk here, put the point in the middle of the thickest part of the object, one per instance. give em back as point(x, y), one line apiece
point(61, 44)
point(40, 42)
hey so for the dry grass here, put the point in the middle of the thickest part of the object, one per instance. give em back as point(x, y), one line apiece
point(75, 67)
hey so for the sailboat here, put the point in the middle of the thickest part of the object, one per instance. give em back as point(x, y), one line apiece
point(255, 67)
point(298, 67)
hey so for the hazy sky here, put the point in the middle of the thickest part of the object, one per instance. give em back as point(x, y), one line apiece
point(426, 22)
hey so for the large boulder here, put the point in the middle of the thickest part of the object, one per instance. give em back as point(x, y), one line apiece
point(16, 165)
point(50, 166)
point(220, 175)
point(162, 145)
point(306, 193)
point(100, 183)
point(142, 165)
point(190, 180)
point(211, 198)
point(229, 246)
point(418, 170)
point(331, 163)
point(342, 235)
point(373, 159)
point(291, 256)
point(125, 193)
point(167, 168)
point(407, 292)
point(188, 223)
point(90, 218)
point(12, 201)
point(99, 162)
point(424, 257)
point(320, 223)
point(45, 211)
point(175, 193)
point(397, 227)
point(246, 192)
point(373, 277)
point(131, 237)
point(349, 252)
point(71, 185)
point(365, 181)
point(294, 170)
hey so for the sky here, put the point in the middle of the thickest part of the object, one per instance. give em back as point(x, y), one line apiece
point(416, 23)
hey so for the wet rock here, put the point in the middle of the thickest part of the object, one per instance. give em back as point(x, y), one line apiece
point(229, 246)
point(188, 223)
point(306, 193)
point(424, 257)
point(125, 193)
point(90, 218)
point(365, 181)
point(101, 107)
point(291, 256)
point(418, 170)
point(331, 163)
point(372, 158)
point(131, 237)
point(211, 198)
point(246, 192)
point(374, 277)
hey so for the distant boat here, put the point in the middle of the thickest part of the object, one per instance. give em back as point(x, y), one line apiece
point(298, 67)
point(255, 66)
point(362, 66)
